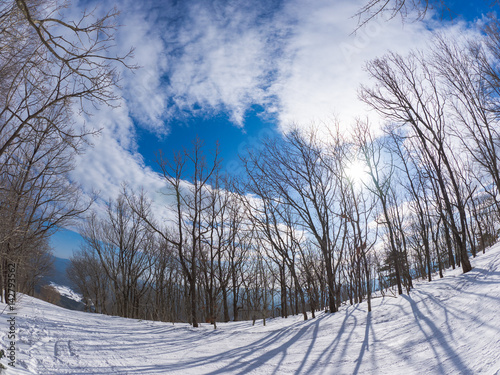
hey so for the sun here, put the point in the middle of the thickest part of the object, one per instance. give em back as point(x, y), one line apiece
point(357, 171)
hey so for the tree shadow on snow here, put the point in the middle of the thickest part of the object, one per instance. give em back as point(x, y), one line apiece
point(242, 360)
point(437, 339)
point(365, 346)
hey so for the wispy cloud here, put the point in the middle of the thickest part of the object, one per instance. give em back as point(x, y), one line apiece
point(323, 68)
point(297, 59)
point(220, 58)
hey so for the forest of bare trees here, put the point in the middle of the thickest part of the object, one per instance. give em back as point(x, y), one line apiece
point(296, 232)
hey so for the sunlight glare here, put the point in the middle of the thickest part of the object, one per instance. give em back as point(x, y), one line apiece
point(357, 172)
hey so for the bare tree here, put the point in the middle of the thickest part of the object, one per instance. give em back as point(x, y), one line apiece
point(124, 248)
point(49, 65)
point(358, 208)
point(280, 236)
point(297, 173)
point(36, 196)
point(381, 174)
point(412, 10)
point(407, 92)
point(239, 246)
point(39, 264)
point(472, 105)
point(89, 276)
point(414, 184)
point(49, 62)
point(190, 203)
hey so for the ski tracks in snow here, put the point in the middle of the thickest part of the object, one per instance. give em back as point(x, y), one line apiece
point(447, 326)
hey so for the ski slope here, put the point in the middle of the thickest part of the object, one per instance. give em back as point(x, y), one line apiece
point(448, 326)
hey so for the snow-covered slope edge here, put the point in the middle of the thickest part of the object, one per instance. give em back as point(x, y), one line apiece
point(448, 326)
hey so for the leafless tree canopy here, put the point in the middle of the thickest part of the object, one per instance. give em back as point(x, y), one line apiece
point(409, 10)
point(51, 67)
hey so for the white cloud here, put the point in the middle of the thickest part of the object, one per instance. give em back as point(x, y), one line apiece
point(301, 62)
point(324, 68)
point(219, 61)
point(143, 88)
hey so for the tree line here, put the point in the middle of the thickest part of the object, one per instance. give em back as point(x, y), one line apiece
point(296, 233)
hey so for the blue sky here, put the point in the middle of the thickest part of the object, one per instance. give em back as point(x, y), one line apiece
point(232, 139)
point(232, 72)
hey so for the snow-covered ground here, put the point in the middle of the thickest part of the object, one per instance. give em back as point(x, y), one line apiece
point(448, 326)
point(66, 291)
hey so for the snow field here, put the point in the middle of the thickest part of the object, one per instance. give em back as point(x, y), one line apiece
point(448, 326)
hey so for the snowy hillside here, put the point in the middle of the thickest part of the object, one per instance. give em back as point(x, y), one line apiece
point(67, 292)
point(448, 326)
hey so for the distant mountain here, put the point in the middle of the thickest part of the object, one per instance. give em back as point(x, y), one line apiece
point(69, 298)
point(59, 279)
point(59, 276)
